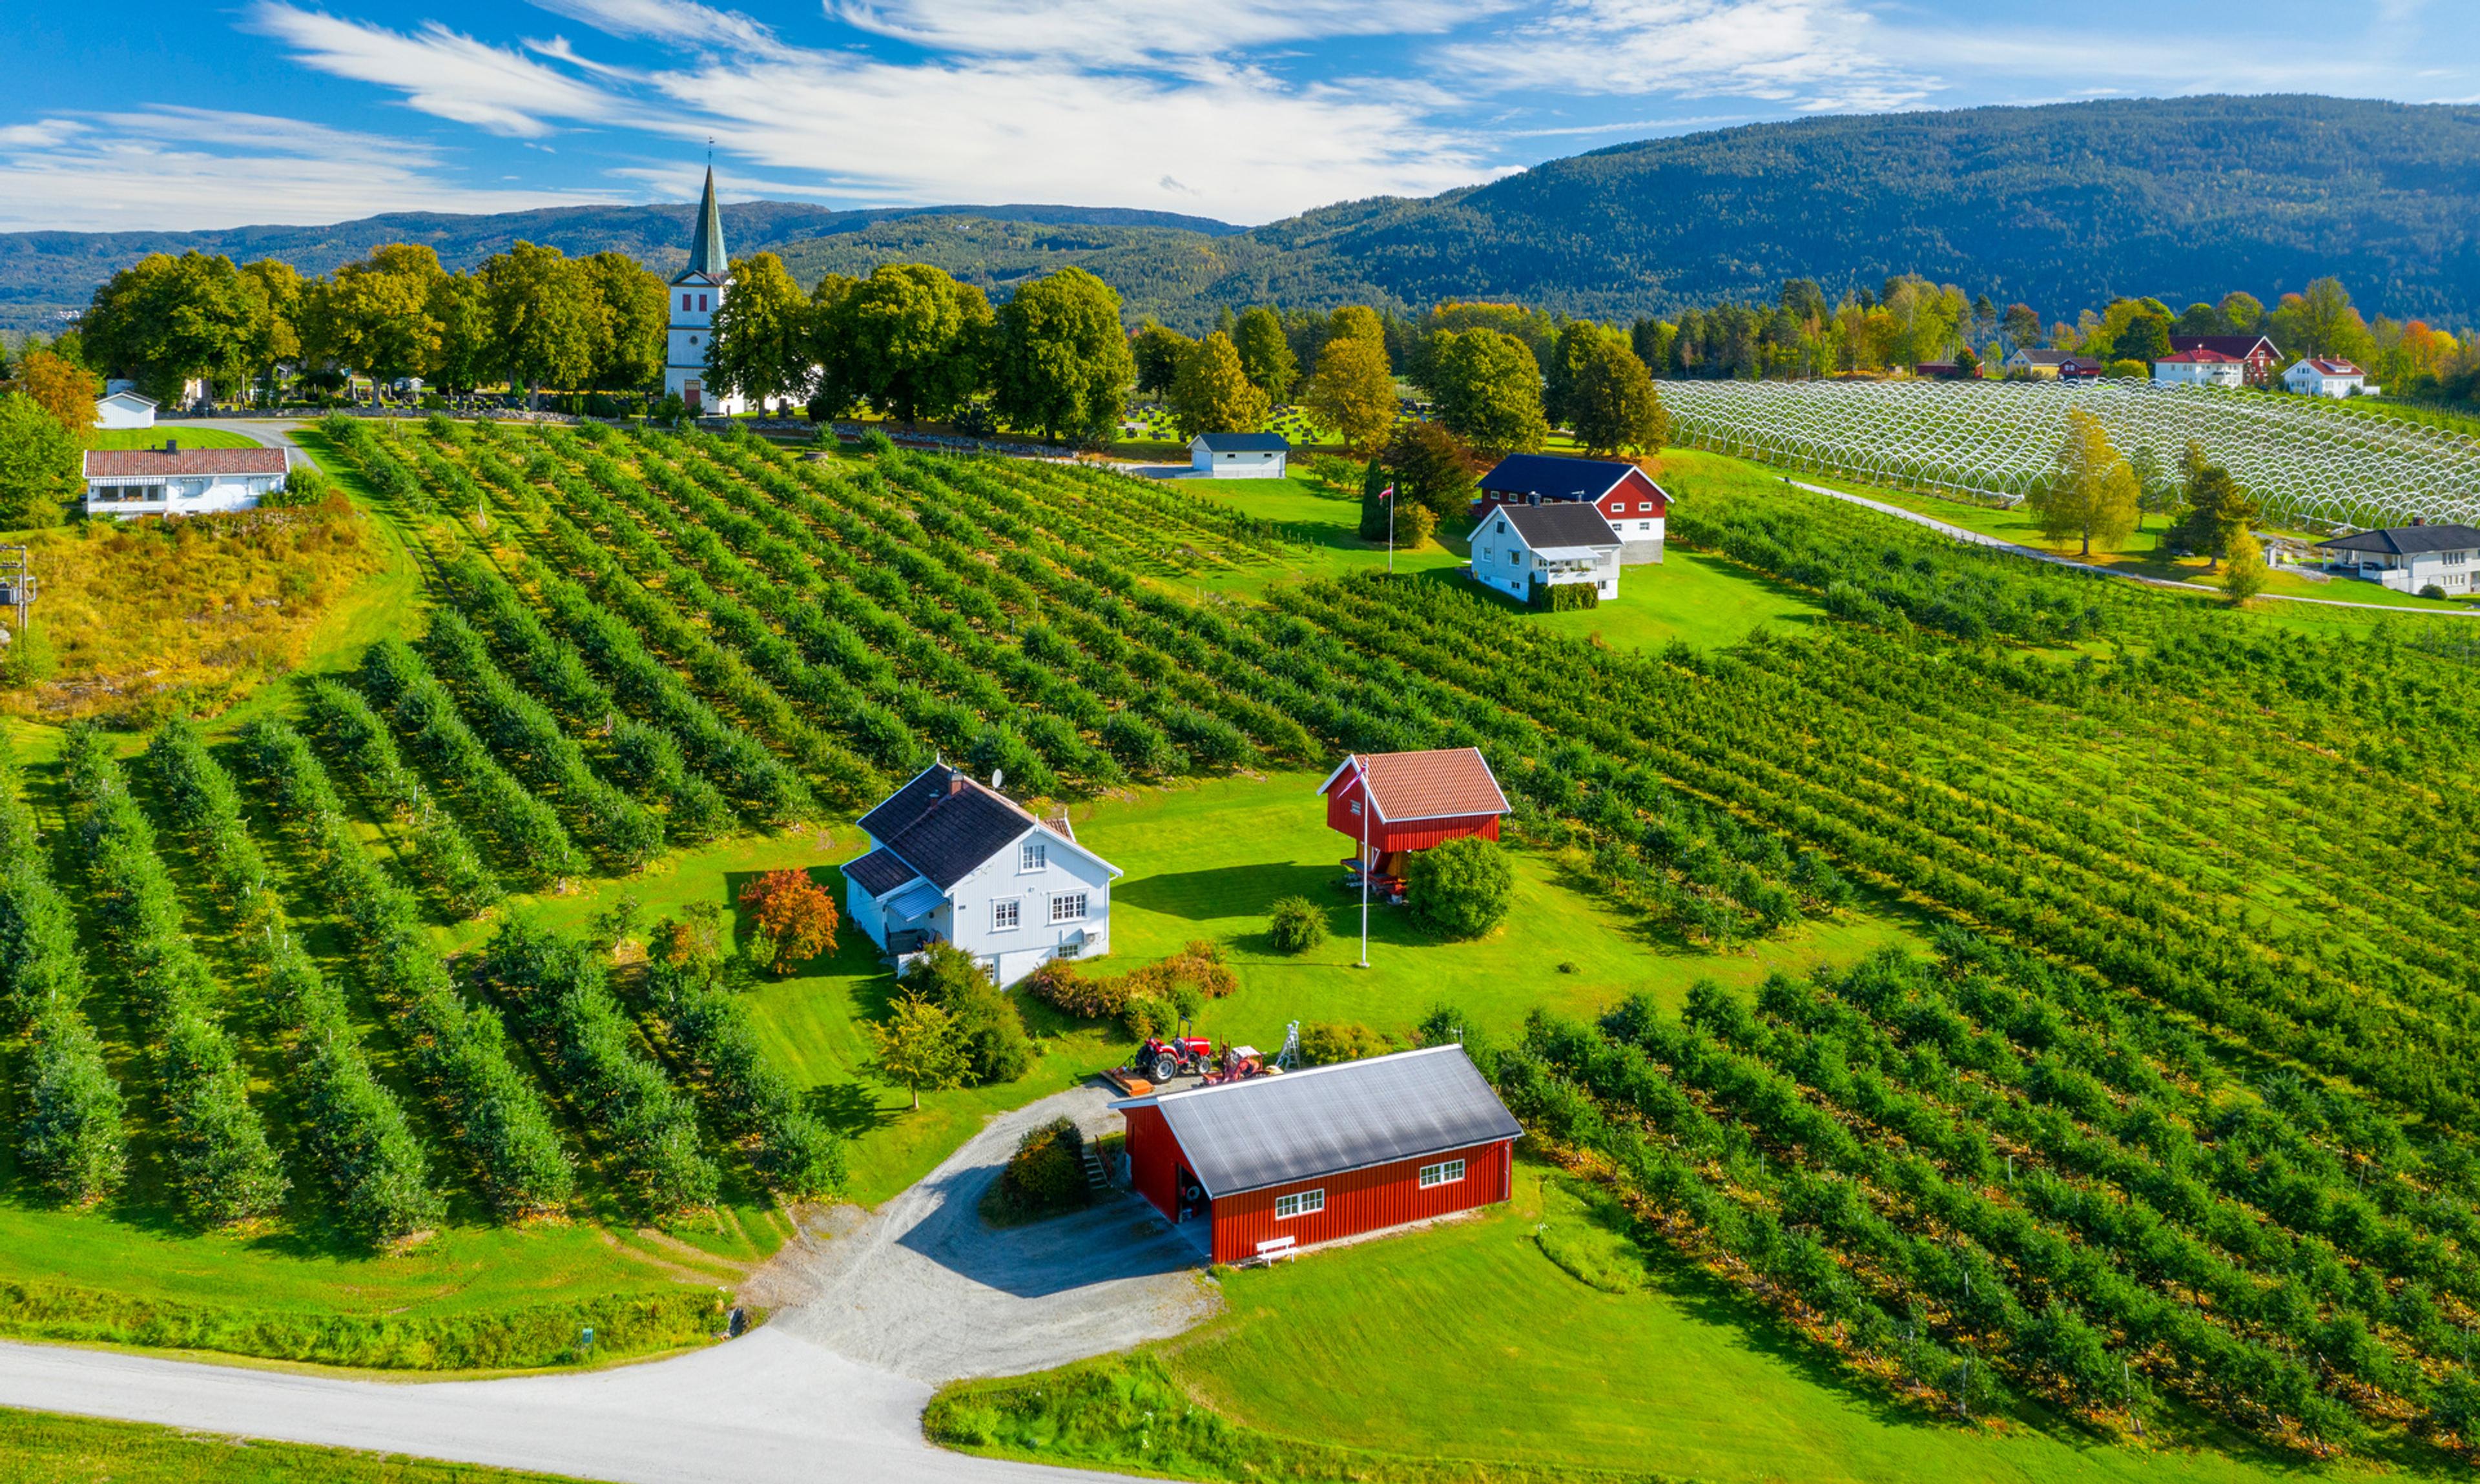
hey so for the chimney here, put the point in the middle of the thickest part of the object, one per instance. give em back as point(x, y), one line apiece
point(1532, 497)
point(2420, 520)
point(171, 445)
point(956, 783)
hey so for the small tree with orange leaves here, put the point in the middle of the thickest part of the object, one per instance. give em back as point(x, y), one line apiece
point(795, 919)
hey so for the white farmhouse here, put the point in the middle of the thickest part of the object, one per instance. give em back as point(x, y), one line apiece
point(2408, 558)
point(1520, 547)
point(697, 292)
point(1239, 455)
point(122, 482)
point(125, 408)
point(953, 861)
point(2325, 377)
point(2200, 367)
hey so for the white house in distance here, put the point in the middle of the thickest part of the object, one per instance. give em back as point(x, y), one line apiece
point(171, 480)
point(1239, 455)
point(124, 408)
point(1517, 548)
point(2317, 375)
point(1625, 495)
point(2200, 367)
point(697, 292)
point(2409, 557)
point(953, 861)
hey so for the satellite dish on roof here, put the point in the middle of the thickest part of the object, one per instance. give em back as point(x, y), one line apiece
point(998, 775)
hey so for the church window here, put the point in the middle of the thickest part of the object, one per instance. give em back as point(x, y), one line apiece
point(701, 302)
point(684, 301)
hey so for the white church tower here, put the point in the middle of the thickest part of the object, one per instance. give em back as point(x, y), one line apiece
point(696, 294)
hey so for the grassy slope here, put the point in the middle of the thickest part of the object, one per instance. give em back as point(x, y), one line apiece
point(1490, 1351)
point(155, 437)
point(44, 1448)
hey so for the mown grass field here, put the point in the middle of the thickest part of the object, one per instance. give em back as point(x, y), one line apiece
point(162, 432)
point(45, 1447)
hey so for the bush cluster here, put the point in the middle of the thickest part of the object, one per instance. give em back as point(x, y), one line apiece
point(996, 1048)
point(1296, 925)
point(1325, 1042)
point(1047, 1173)
point(1462, 887)
point(1148, 1001)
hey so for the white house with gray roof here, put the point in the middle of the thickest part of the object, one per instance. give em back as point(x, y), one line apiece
point(951, 860)
point(2408, 558)
point(1518, 548)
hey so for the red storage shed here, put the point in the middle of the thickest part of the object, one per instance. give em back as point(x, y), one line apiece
point(1331, 1152)
point(1416, 800)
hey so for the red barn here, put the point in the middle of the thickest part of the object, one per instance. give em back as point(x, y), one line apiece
point(1413, 801)
point(1276, 1164)
point(1626, 496)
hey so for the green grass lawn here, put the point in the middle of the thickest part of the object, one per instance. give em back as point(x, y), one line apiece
point(45, 1447)
point(156, 436)
point(1326, 523)
point(1467, 1342)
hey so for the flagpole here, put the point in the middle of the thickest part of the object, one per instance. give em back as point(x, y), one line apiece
point(1390, 498)
point(1365, 807)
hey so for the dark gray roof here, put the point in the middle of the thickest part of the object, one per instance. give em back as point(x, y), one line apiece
point(2408, 540)
point(706, 247)
point(2035, 356)
point(2237, 346)
point(1245, 443)
point(1561, 524)
point(942, 825)
point(879, 873)
point(1555, 477)
point(1243, 1136)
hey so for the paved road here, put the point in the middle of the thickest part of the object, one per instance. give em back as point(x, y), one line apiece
point(884, 1306)
point(1983, 539)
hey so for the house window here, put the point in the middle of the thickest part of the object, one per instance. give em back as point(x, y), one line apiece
point(1068, 907)
point(1300, 1203)
point(1646, 506)
point(1069, 950)
point(1035, 855)
point(1644, 526)
point(1444, 1172)
point(1003, 916)
point(1513, 556)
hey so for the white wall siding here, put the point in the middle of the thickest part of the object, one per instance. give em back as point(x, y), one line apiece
point(1035, 939)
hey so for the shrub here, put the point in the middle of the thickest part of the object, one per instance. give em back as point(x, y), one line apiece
point(1047, 1173)
point(1142, 746)
point(794, 919)
point(1462, 887)
point(1296, 926)
point(1566, 597)
point(874, 440)
point(1325, 1042)
point(1414, 524)
point(2432, 590)
point(989, 1028)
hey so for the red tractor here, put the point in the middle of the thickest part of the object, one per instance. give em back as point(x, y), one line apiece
point(1163, 1059)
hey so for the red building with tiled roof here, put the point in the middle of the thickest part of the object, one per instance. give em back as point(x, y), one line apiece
point(1392, 804)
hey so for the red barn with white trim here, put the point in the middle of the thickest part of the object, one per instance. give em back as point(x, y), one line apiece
point(1624, 494)
point(1416, 800)
point(1288, 1161)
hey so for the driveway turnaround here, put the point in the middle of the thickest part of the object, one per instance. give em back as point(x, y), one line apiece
point(880, 1309)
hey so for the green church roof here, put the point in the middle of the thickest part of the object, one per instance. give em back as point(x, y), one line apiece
point(705, 248)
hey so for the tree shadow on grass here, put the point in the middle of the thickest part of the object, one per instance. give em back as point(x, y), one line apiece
point(851, 1109)
point(1227, 891)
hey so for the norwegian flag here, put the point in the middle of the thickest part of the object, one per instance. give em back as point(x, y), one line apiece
point(1388, 493)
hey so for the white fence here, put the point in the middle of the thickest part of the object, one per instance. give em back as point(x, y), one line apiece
point(2307, 460)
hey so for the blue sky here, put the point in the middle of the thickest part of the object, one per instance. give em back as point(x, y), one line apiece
point(169, 113)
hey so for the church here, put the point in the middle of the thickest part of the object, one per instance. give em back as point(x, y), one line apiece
point(697, 292)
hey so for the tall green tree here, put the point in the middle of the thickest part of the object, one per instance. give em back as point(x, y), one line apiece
point(279, 341)
point(1356, 321)
point(1063, 363)
point(1157, 353)
point(1212, 393)
point(2321, 320)
point(1429, 467)
point(1487, 387)
point(917, 1045)
point(911, 338)
point(1577, 339)
point(765, 342)
point(1613, 405)
point(165, 320)
point(1354, 391)
point(467, 357)
point(2091, 492)
point(2217, 513)
point(544, 318)
point(1266, 353)
point(636, 323)
point(2242, 312)
point(2145, 337)
point(374, 316)
point(38, 465)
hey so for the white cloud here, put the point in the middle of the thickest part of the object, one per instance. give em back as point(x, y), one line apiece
point(1805, 54)
point(440, 71)
point(665, 20)
point(197, 169)
point(42, 133)
point(1120, 32)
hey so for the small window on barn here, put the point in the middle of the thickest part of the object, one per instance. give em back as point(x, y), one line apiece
point(1300, 1203)
point(1445, 1172)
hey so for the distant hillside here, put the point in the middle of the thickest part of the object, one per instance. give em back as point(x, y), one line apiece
point(2060, 206)
point(42, 273)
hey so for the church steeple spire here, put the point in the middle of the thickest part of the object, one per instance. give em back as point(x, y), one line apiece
point(705, 248)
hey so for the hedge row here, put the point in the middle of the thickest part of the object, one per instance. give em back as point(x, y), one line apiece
point(223, 1168)
point(711, 1027)
point(69, 1135)
point(460, 1052)
point(442, 851)
point(352, 1127)
point(530, 838)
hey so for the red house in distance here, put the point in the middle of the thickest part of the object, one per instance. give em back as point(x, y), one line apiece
point(1276, 1164)
point(1412, 800)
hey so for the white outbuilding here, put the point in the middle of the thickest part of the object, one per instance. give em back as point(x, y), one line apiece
point(124, 408)
point(2200, 367)
point(1239, 455)
point(2321, 375)
point(170, 480)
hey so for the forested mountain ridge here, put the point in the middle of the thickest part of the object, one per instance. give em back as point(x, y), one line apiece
point(2061, 206)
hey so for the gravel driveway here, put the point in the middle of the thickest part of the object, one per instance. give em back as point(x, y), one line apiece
point(876, 1310)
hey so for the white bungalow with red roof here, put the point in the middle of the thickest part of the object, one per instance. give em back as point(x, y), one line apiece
point(2325, 375)
point(2200, 367)
point(1625, 495)
point(1390, 804)
point(951, 860)
point(2257, 355)
point(171, 480)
